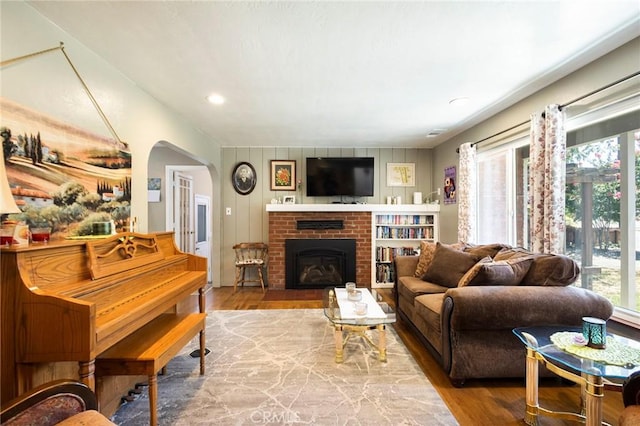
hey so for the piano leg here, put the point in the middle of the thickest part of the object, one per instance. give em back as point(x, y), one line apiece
point(153, 399)
point(86, 371)
point(201, 303)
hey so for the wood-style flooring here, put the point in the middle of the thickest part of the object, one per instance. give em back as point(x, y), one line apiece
point(479, 402)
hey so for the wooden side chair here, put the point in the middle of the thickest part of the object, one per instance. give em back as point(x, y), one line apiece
point(250, 255)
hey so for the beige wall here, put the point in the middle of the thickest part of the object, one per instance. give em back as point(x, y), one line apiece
point(616, 65)
point(47, 84)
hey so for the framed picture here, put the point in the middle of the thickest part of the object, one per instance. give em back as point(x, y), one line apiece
point(153, 190)
point(243, 178)
point(401, 174)
point(283, 175)
point(450, 185)
point(289, 199)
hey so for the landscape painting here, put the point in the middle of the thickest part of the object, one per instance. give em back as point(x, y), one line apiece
point(64, 177)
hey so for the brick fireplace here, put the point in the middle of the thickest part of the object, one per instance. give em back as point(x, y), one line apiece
point(283, 225)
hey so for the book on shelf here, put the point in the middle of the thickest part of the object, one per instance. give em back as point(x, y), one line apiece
point(390, 232)
point(386, 254)
point(404, 219)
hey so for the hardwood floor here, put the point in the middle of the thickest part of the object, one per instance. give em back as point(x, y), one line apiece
point(479, 402)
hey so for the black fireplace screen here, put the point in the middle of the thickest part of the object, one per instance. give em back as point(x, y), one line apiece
point(318, 263)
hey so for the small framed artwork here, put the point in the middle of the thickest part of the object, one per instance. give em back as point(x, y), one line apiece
point(243, 178)
point(153, 190)
point(450, 185)
point(401, 174)
point(289, 199)
point(283, 175)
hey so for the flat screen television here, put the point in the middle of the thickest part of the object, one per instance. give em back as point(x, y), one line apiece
point(340, 176)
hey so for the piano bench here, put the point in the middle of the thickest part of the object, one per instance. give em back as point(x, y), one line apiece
point(150, 348)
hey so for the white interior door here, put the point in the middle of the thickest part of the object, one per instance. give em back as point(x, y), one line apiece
point(203, 230)
point(183, 212)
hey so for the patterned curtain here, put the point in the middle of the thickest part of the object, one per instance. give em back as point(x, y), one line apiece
point(466, 189)
point(547, 180)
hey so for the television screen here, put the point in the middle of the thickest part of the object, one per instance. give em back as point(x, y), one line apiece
point(332, 176)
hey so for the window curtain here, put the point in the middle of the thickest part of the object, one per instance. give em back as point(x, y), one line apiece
point(547, 179)
point(466, 190)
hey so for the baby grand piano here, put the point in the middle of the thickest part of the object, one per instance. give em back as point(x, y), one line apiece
point(73, 300)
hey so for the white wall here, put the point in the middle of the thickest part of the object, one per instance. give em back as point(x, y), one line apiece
point(611, 67)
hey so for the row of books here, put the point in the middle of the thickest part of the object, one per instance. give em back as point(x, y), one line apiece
point(403, 219)
point(403, 233)
point(386, 254)
point(385, 273)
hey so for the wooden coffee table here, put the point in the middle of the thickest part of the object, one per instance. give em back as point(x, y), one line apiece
point(341, 312)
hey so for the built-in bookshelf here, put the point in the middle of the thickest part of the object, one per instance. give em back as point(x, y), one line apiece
point(397, 233)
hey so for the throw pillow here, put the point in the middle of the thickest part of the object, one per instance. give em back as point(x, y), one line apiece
point(449, 265)
point(502, 272)
point(471, 273)
point(486, 249)
point(426, 256)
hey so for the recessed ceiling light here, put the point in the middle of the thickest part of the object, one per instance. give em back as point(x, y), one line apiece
point(215, 99)
point(459, 101)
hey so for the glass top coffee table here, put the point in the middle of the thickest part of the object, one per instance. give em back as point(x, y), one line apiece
point(553, 347)
point(347, 323)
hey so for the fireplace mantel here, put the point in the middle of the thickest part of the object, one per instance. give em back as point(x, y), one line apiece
point(352, 207)
point(357, 220)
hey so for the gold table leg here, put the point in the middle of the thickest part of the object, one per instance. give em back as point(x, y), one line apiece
point(339, 344)
point(341, 339)
point(592, 392)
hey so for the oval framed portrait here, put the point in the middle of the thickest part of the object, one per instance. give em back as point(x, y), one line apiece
point(243, 178)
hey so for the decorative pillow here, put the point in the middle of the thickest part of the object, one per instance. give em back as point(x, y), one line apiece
point(426, 256)
point(546, 269)
point(471, 273)
point(449, 265)
point(486, 249)
point(509, 253)
point(552, 270)
point(502, 272)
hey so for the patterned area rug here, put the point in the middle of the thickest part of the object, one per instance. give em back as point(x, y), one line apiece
point(277, 367)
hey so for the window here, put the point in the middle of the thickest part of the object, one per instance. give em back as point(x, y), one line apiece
point(602, 194)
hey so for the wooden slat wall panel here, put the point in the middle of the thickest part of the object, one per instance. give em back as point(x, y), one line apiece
point(249, 220)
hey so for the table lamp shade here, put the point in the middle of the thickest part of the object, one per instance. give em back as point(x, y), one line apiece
point(7, 203)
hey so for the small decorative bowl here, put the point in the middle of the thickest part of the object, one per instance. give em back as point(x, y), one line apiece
point(579, 340)
point(355, 295)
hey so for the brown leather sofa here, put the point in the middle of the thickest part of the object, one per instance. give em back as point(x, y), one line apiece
point(463, 301)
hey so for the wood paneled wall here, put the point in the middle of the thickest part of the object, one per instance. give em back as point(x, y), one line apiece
point(249, 220)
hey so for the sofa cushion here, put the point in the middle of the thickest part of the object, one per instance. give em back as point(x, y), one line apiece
point(429, 307)
point(546, 269)
point(427, 249)
point(501, 272)
point(449, 265)
point(486, 249)
point(411, 287)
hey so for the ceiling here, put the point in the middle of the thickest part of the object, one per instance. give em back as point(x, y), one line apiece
point(344, 73)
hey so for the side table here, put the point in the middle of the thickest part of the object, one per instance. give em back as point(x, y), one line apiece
point(589, 374)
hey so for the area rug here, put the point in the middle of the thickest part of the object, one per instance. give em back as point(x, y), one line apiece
point(277, 367)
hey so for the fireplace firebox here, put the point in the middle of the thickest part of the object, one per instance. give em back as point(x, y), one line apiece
point(319, 263)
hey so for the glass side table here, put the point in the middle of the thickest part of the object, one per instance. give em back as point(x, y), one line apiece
point(347, 325)
point(589, 374)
